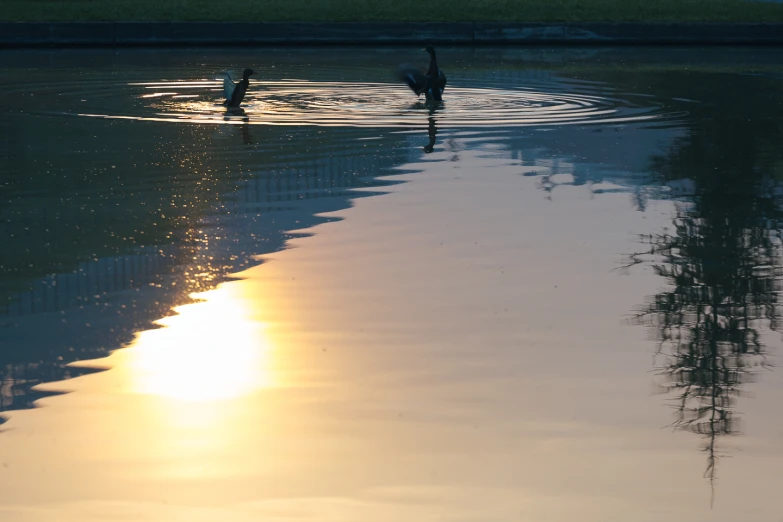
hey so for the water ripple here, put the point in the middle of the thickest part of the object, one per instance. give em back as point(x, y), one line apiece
point(330, 103)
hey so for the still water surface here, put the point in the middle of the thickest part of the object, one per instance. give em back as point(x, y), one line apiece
point(553, 297)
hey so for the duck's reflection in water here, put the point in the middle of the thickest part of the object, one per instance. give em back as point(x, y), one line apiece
point(231, 114)
point(432, 128)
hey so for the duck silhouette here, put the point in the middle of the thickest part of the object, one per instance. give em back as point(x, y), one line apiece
point(430, 84)
point(235, 92)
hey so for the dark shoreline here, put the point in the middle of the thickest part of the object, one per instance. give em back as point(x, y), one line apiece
point(120, 34)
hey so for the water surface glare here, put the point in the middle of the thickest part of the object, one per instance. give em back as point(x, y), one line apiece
point(272, 101)
point(553, 297)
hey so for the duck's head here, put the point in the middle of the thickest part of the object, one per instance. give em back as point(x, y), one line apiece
point(430, 50)
point(247, 72)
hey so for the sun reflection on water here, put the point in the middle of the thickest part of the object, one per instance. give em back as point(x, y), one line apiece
point(211, 350)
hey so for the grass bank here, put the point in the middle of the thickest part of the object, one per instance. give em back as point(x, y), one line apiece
point(392, 10)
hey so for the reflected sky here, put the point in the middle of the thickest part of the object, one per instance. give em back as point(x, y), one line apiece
point(391, 310)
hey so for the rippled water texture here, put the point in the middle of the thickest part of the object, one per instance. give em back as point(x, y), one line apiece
point(187, 96)
point(553, 297)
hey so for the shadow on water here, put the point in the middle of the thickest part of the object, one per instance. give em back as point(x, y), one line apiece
point(722, 256)
point(120, 223)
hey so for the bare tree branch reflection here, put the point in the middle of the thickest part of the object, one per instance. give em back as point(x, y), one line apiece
point(722, 260)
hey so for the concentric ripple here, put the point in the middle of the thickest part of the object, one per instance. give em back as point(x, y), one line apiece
point(330, 103)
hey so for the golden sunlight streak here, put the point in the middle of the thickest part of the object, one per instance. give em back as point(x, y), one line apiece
point(211, 350)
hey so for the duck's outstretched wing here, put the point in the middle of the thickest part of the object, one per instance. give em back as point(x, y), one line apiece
point(228, 86)
point(413, 78)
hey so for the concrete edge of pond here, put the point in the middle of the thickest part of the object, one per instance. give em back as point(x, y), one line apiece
point(103, 34)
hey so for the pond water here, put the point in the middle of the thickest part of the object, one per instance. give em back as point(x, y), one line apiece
point(555, 296)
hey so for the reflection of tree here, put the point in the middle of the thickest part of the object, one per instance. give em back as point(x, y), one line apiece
point(710, 322)
point(722, 260)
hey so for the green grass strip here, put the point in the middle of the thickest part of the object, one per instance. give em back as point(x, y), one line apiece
point(392, 10)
